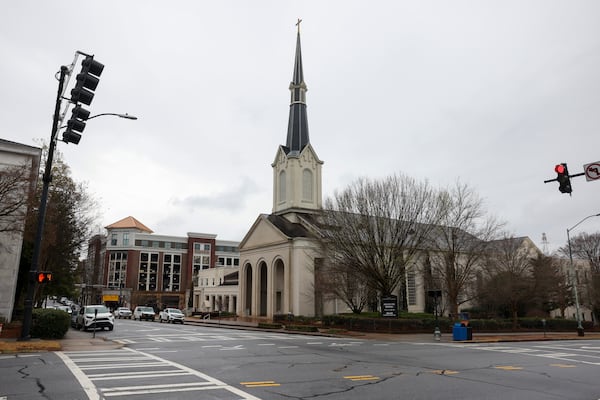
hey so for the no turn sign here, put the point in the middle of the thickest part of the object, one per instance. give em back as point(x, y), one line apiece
point(592, 171)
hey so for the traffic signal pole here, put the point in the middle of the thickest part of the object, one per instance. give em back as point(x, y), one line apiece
point(563, 178)
point(47, 178)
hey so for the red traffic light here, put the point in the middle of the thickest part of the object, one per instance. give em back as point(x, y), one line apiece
point(44, 277)
point(559, 169)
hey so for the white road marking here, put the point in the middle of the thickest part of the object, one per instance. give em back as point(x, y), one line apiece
point(77, 363)
point(334, 344)
point(84, 381)
point(539, 351)
point(238, 347)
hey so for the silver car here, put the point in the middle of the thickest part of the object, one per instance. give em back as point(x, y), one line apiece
point(123, 312)
point(172, 315)
point(144, 312)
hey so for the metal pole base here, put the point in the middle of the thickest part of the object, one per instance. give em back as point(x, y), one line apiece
point(580, 331)
point(437, 334)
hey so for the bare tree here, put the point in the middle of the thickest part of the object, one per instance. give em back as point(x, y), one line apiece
point(70, 215)
point(343, 282)
point(374, 229)
point(458, 245)
point(587, 247)
point(508, 260)
point(16, 182)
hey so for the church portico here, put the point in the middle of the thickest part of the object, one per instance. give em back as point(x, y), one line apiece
point(264, 287)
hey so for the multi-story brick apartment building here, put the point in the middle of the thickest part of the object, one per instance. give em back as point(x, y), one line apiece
point(141, 267)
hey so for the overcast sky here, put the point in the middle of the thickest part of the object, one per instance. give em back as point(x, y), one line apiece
point(493, 93)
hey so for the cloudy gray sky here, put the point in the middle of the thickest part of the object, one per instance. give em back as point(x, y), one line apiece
point(493, 93)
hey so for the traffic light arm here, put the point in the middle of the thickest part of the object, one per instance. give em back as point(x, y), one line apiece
point(70, 70)
point(570, 176)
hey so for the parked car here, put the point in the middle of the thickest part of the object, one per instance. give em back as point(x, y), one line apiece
point(172, 315)
point(93, 317)
point(66, 309)
point(144, 312)
point(123, 312)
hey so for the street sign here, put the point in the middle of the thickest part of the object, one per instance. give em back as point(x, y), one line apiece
point(389, 306)
point(592, 171)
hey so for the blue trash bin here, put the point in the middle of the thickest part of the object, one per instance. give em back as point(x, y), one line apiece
point(459, 332)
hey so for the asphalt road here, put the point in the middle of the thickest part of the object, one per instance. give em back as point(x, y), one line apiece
point(163, 361)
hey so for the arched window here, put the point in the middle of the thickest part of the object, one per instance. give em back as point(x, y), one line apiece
point(307, 185)
point(282, 188)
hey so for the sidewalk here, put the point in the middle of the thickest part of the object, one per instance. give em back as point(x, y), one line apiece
point(75, 340)
point(240, 323)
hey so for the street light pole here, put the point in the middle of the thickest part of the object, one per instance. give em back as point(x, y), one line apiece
point(580, 331)
point(47, 178)
point(126, 116)
point(28, 304)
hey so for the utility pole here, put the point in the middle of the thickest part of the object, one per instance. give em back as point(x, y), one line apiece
point(47, 178)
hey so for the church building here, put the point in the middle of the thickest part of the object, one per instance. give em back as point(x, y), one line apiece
point(279, 253)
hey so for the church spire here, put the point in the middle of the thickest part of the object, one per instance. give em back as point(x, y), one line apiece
point(297, 134)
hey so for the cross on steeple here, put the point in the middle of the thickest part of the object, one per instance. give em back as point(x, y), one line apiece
point(298, 24)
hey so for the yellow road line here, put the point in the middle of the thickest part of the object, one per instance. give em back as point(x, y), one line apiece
point(260, 384)
point(361, 377)
point(508, 368)
point(444, 372)
point(563, 365)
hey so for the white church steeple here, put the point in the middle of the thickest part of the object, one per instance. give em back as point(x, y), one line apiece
point(297, 168)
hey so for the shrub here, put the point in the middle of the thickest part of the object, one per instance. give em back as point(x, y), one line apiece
point(301, 328)
point(426, 323)
point(48, 323)
point(267, 325)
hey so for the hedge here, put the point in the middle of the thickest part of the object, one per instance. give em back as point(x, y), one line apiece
point(391, 325)
point(49, 323)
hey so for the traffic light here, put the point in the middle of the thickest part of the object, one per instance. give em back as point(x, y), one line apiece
point(87, 81)
point(563, 178)
point(44, 277)
point(76, 125)
point(83, 92)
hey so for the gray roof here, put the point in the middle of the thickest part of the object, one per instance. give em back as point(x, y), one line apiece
point(290, 229)
point(297, 134)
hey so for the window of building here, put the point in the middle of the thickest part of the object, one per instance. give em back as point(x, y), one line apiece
point(125, 239)
point(282, 188)
point(171, 272)
point(307, 185)
point(201, 257)
point(411, 287)
point(117, 269)
point(113, 239)
point(147, 276)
